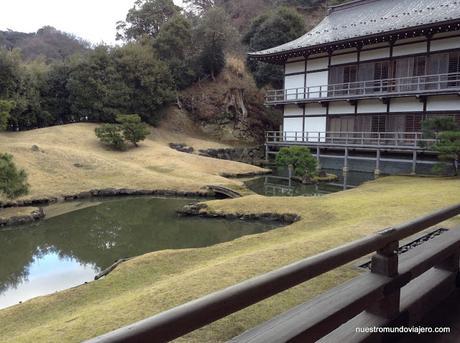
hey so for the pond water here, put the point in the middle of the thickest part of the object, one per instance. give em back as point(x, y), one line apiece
point(278, 184)
point(70, 249)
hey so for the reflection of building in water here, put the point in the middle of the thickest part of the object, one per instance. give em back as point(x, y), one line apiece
point(284, 186)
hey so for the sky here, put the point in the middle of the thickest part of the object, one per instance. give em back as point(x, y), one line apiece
point(92, 20)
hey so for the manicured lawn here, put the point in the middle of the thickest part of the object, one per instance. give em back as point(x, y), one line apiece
point(155, 282)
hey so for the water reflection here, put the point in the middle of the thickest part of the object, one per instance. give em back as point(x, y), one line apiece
point(70, 249)
point(281, 185)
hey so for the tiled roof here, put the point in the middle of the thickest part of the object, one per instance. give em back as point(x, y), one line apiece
point(363, 18)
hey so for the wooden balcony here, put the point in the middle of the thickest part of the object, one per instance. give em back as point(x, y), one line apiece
point(399, 141)
point(418, 86)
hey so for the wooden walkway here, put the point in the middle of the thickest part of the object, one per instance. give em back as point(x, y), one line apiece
point(446, 314)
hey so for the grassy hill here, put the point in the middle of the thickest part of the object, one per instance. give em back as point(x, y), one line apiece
point(70, 159)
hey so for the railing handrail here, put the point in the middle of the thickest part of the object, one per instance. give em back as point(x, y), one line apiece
point(193, 315)
point(418, 77)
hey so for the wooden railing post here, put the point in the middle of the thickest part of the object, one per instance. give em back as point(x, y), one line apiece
point(385, 262)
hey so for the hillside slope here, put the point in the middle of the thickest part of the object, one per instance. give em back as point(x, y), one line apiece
point(69, 159)
point(230, 108)
point(47, 41)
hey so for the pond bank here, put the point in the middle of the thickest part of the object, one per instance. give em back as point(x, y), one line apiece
point(19, 216)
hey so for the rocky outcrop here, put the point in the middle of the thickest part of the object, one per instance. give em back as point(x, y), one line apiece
point(35, 214)
point(203, 210)
point(181, 147)
point(247, 155)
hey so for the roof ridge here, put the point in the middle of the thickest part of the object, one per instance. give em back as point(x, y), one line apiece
point(349, 4)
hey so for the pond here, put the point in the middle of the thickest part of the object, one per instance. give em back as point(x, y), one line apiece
point(69, 249)
point(278, 184)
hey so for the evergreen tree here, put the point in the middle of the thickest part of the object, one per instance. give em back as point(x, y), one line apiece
point(132, 127)
point(269, 30)
point(13, 181)
point(146, 18)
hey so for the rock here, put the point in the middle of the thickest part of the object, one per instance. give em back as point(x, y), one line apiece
point(181, 147)
point(36, 148)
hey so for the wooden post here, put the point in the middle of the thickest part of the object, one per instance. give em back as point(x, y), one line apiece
point(318, 164)
point(414, 162)
point(385, 262)
point(290, 172)
point(377, 164)
point(266, 152)
point(345, 161)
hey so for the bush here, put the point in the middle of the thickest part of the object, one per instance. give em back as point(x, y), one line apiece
point(134, 130)
point(300, 158)
point(13, 181)
point(130, 128)
point(448, 148)
point(111, 135)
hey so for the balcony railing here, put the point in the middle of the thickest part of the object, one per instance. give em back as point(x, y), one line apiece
point(403, 86)
point(378, 140)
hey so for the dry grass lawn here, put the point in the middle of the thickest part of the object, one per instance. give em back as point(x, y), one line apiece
point(72, 160)
point(155, 282)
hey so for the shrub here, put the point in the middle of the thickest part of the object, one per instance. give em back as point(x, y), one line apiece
point(300, 158)
point(129, 128)
point(134, 130)
point(448, 148)
point(111, 135)
point(13, 181)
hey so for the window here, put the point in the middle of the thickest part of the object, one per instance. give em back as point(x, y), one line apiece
point(454, 70)
point(378, 123)
point(413, 123)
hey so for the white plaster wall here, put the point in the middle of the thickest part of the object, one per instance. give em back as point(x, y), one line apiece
point(374, 54)
point(410, 49)
point(411, 40)
point(341, 107)
point(316, 124)
point(341, 59)
point(314, 109)
point(445, 34)
point(314, 83)
point(292, 110)
point(292, 125)
point(296, 67)
point(406, 105)
point(292, 83)
point(443, 103)
point(317, 63)
point(446, 43)
point(371, 106)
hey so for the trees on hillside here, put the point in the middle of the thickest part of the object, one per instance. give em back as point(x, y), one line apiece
point(268, 30)
point(214, 34)
point(146, 18)
point(5, 109)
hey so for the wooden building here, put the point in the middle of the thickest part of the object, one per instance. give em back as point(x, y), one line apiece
point(370, 66)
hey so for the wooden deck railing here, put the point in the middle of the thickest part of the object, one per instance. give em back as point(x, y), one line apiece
point(411, 86)
point(375, 140)
point(394, 292)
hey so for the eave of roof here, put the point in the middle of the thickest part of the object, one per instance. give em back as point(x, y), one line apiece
point(421, 24)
